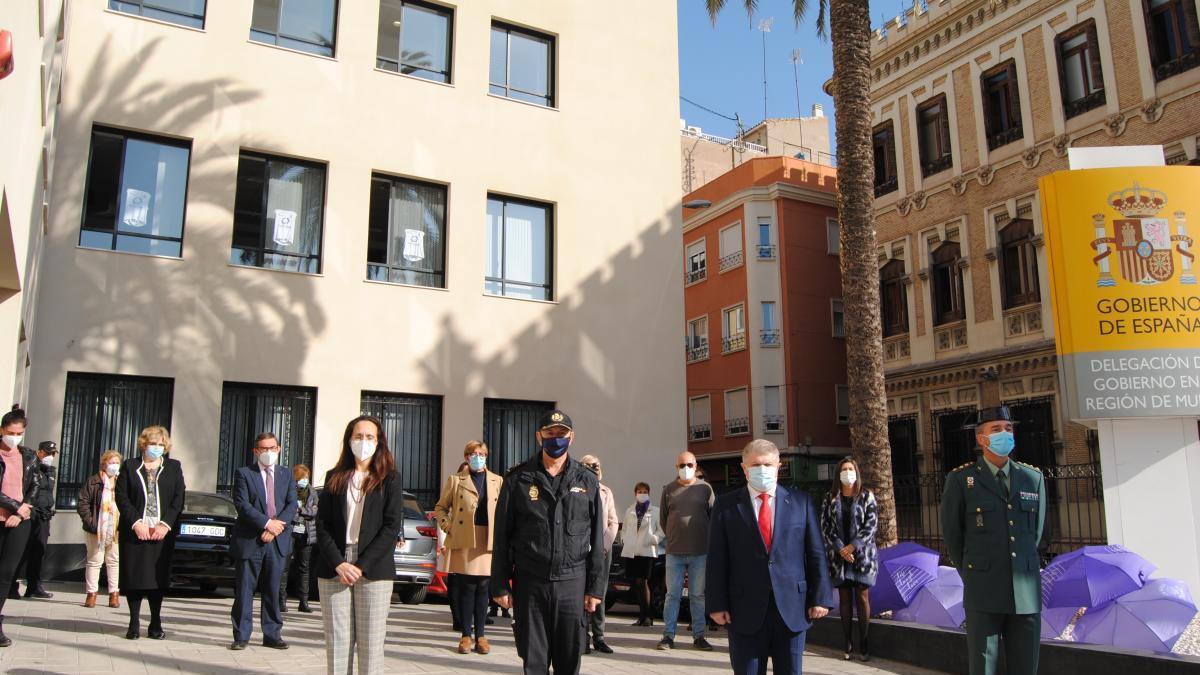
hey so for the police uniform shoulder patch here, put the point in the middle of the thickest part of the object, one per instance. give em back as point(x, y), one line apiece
point(960, 468)
point(1030, 466)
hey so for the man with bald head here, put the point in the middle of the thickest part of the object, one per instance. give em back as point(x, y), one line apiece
point(684, 512)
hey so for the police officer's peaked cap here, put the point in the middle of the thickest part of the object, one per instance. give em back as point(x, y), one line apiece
point(555, 418)
point(1000, 413)
point(48, 446)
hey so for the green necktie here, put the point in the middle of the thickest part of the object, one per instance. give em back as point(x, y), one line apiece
point(1003, 480)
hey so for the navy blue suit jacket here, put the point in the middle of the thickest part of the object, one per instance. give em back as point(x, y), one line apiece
point(250, 497)
point(742, 575)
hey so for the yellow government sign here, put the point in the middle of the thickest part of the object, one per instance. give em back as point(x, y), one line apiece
point(1123, 278)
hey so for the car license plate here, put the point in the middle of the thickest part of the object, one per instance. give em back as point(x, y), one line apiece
point(202, 530)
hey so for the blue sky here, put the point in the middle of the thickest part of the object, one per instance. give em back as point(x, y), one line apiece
point(721, 67)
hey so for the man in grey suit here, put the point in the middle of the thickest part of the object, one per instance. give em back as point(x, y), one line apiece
point(265, 496)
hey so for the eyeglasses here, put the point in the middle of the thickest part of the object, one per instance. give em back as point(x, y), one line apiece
point(273, 447)
point(687, 465)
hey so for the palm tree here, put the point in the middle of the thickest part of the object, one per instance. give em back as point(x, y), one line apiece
point(850, 33)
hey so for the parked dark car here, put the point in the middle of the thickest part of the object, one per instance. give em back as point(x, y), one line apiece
point(416, 563)
point(620, 586)
point(202, 543)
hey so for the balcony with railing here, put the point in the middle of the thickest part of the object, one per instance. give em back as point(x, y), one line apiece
point(937, 165)
point(766, 251)
point(731, 261)
point(890, 185)
point(737, 426)
point(1082, 105)
point(1177, 65)
point(700, 432)
point(733, 343)
point(697, 352)
point(769, 338)
point(773, 424)
point(696, 275)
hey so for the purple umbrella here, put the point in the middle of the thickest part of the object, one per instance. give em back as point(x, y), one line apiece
point(1151, 618)
point(1092, 576)
point(903, 570)
point(938, 603)
point(1055, 620)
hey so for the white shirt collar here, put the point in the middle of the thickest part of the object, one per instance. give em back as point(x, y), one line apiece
point(755, 493)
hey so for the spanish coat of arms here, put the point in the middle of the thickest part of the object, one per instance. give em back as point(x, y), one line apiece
point(1142, 240)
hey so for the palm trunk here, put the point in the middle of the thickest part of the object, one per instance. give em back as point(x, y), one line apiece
point(850, 33)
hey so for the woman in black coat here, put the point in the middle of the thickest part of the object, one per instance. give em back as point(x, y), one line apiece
point(18, 494)
point(360, 518)
point(150, 492)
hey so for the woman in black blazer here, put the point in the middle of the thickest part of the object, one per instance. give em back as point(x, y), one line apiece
point(149, 496)
point(360, 518)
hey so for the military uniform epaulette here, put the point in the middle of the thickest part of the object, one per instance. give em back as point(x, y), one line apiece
point(960, 468)
point(1030, 466)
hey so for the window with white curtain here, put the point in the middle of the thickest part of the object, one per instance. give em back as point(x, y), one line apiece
point(772, 409)
point(406, 238)
point(278, 213)
point(737, 412)
point(518, 246)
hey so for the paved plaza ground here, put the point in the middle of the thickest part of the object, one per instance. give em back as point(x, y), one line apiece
point(61, 636)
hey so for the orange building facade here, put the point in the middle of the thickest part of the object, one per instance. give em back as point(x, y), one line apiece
point(765, 343)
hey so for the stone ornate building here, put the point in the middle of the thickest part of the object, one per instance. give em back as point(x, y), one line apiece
point(973, 101)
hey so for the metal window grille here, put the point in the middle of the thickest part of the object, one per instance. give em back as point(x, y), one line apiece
point(413, 425)
point(250, 409)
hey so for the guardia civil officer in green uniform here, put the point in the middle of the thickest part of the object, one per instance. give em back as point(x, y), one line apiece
point(992, 515)
point(549, 541)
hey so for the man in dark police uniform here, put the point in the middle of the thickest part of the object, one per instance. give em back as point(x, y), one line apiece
point(549, 542)
point(992, 513)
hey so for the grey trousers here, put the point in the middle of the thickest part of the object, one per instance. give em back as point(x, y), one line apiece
point(355, 622)
point(596, 619)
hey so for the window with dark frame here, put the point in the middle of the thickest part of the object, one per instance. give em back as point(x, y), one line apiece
point(883, 138)
point(1080, 75)
point(1174, 36)
point(1018, 264)
point(946, 284)
point(415, 38)
point(249, 409)
point(697, 264)
point(406, 236)
point(136, 193)
point(278, 213)
point(1001, 105)
point(522, 65)
point(413, 424)
point(508, 430)
point(893, 298)
point(306, 25)
point(519, 249)
point(103, 412)
point(183, 12)
point(933, 136)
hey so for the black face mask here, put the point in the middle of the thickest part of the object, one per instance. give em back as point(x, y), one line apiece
point(555, 447)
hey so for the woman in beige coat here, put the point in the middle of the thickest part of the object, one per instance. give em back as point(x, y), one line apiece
point(465, 512)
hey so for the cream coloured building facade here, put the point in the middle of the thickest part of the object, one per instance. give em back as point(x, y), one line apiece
point(274, 221)
point(973, 102)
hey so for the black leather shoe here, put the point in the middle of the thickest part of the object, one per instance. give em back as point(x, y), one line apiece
point(489, 622)
point(587, 648)
point(39, 593)
point(156, 634)
point(283, 608)
point(132, 634)
point(602, 647)
point(275, 644)
point(238, 645)
point(306, 608)
point(5, 641)
point(702, 644)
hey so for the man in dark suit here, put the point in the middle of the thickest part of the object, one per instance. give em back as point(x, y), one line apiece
point(993, 513)
point(265, 496)
point(767, 580)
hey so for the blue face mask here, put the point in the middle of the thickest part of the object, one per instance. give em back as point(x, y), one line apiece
point(302, 483)
point(555, 447)
point(763, 478)
point(154, 451)
point(477, 462)
point(1001, 443)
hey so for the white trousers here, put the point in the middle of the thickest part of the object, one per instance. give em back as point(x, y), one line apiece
point(98, 554)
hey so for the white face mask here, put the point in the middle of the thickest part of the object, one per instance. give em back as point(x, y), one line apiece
point(268, 458)
point(112, 469)
point(687, 472)
point(643, 498)
point(13, 441)
point(48, 460)
point(848, 477)
point(363, 449)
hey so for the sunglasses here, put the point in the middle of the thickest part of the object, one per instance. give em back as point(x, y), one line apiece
point(687, 465)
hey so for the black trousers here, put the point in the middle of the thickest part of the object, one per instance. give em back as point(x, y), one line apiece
point(548, 624)
point(35, 551)
point(469, 600)
point(297, 569)
point(13, 541)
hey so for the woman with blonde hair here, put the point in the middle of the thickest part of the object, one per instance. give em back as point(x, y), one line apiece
point(97, 507)
point(149, 495)
point(465, 512)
